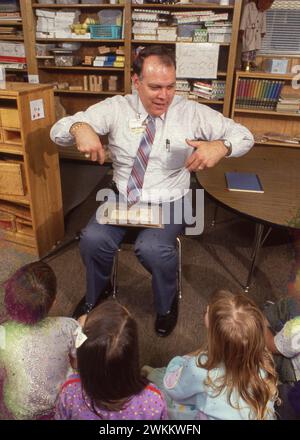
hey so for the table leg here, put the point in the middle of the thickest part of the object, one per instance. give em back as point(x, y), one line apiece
point(258, 242)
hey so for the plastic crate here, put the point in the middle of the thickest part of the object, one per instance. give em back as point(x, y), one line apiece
point(108, 31)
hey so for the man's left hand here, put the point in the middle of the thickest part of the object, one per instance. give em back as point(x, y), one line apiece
point(206, 155)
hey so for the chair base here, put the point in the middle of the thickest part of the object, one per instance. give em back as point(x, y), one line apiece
point(114, 276)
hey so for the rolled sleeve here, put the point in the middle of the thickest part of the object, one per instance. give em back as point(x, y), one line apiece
point(212, 125)
point(99, 117)
point(183, 380)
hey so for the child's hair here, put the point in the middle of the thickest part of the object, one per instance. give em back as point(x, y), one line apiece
point(108, 361)
point(30, 293)
point(263, 5)
point(236, 340)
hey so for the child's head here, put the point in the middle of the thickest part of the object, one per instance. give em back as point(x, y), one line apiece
point(108, 361)
point(30, 293)
point(236, 329)
point(263, 5)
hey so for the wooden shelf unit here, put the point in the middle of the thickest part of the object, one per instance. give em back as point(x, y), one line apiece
point(227, 50)
point(261, 121)
point(50, 73)
point(30, 189)
point(74, 101)
point(18, 24)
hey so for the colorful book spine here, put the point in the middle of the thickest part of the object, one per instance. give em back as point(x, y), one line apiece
point(260, 94)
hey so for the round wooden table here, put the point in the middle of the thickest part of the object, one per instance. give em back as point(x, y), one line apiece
point(278, 169)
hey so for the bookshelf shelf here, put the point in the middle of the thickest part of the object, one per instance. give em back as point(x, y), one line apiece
point(278, 144)
point(10, 22)
point(267, 112)
point(78, 40)
point(265, 122)
point(211, 101)
point(75, 6)
point(12, 69)
point(84, 68)
point(186, 7)
point(23, 200)
point(86, 92)
point(166, 42)
point(11, 38)
point(265, 75)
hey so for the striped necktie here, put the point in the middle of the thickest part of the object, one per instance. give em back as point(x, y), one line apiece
point(136, 178)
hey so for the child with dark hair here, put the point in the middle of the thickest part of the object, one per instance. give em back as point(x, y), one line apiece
point(233, 376)
point(109, 385)
point(34, 348)
point(253, 29)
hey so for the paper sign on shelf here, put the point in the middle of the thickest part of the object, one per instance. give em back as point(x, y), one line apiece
point(37, 109)
point(33, 79)
point(197, 60)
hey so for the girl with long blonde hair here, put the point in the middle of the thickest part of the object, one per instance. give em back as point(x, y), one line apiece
point(233, 376)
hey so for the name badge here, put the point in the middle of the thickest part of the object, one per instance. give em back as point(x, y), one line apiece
point(136, 125)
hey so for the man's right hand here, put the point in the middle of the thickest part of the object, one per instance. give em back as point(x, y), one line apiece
point(88, 142)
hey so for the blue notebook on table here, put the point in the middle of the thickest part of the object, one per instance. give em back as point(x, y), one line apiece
point(246, 182)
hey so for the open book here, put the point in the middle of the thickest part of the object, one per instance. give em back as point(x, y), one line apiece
point(245, 182)
point(139, 215)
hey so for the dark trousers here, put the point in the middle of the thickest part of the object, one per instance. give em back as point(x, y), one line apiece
point(154, 247)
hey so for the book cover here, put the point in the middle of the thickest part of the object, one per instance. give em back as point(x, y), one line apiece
point(245, 182)
point(139, 215)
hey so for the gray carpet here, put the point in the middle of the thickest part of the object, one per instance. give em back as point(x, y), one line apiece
point(219, 258)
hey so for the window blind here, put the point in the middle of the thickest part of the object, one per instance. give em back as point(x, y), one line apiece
point(283, 28)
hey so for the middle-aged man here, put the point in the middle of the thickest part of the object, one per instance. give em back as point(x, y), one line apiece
point(156, 139)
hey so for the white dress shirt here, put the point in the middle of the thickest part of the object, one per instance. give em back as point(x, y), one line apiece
point(166, 175)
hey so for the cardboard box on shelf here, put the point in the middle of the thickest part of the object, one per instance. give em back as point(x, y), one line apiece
point(275, 65)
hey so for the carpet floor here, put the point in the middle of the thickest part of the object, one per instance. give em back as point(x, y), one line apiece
point(218, 258)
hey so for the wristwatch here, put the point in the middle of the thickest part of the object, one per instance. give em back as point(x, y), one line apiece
point(228, 145)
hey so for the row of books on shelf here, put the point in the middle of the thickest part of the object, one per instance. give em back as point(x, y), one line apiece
point(288, 102)
point(197, 26)
point(17, 66)
point(177, 17)
point(109, 61)
point(210, 90)
point(258, 94)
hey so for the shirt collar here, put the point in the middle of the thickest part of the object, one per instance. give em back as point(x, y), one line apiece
point(143, 113)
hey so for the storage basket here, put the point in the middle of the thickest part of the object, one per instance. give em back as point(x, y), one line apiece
point(110, 16)
point(108, 31)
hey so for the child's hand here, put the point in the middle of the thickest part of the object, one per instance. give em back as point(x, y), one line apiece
point(81, 320)
point(73, 362)
point(195, 353)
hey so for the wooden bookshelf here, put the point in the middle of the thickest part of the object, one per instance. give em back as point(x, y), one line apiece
point(227, 50)
point(48, 73)
point(262, 121)
point(74, 101)
point(30, 190)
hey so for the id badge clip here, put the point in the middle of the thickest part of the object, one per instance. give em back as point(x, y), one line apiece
point(136, 125)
